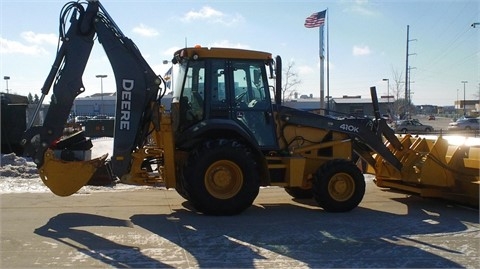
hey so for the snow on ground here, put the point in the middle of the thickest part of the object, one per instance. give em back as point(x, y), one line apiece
point(20, 174)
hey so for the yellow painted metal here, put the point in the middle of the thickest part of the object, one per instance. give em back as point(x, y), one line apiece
point(294, 168)
point(65, 178)
point(435, 170)
point(223, 179)
point(166, 141)
point(341, 187)
point(162, 148)
point(474, 158)
point(309, 148)
point(296, 173)
point(433, 167)
point(222, 53)
point(139, 175)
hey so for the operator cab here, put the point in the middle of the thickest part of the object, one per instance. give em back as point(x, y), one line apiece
point(226, 87)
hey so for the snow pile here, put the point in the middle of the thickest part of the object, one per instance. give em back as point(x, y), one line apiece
point(20, 175)
point(13, 166)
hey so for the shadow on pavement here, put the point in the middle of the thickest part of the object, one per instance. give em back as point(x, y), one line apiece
point(282, 235)
point(67, 227)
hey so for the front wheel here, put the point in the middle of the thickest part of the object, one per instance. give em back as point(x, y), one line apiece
point(221, 178)
point(338, 186)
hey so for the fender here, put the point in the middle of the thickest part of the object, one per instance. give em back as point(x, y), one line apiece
point(210, 129)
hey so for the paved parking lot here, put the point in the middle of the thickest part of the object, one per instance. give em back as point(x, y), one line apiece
point(156, 228)
point(440, 123)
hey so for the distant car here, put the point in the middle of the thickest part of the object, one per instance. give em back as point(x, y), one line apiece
point(101, 117)
point(431, 117)
point(412, 126)
point(81, 120)
point(465, 124)
point(387, 118)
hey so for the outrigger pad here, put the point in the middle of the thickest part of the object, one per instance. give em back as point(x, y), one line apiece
point(65, 178)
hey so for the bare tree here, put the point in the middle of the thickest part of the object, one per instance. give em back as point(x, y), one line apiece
point(477, 94)
point(397, 89)
point(290, 81)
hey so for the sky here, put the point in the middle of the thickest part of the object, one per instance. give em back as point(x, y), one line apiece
point(367, 42)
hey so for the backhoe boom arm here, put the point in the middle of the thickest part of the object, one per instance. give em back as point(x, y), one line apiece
point(137, 85)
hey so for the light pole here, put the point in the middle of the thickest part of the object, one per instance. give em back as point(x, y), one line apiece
point(101, 90)
point(464, 109)
point(6, 78)
point(457, 106)
point(388, 93)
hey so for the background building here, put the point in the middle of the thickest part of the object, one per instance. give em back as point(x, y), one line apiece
point(345, 105)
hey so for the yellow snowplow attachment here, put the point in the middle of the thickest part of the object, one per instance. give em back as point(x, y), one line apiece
point(434, 167)
point(65, 178)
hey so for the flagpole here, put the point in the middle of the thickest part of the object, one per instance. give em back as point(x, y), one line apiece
point(328, 62)
point(318, 20)
point(322, 67)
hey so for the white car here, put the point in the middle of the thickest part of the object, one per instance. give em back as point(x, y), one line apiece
point(412, 126)
point(465, 124)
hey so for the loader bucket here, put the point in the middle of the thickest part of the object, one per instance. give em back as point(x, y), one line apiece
point(65, 178)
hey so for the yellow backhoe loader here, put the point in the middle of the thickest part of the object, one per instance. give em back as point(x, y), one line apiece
point(226, 132)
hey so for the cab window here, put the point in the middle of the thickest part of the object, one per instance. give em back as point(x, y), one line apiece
point(193, 94)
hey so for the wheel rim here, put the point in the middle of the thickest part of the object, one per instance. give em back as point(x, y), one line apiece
point(341, 187)
point(223, 179)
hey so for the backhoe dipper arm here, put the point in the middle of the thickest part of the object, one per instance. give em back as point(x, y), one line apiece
point(137, 90)
point(67, 72)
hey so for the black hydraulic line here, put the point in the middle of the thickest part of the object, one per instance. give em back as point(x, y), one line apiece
point(66, 75)
point(278, 80)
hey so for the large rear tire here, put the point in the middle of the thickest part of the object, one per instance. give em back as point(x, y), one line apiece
point(221, 178)
point(181, 189)
point(338, 186)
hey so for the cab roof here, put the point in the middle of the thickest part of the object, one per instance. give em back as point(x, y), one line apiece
point(223, 53)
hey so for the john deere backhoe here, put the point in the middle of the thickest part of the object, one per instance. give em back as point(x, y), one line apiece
point(223, 137)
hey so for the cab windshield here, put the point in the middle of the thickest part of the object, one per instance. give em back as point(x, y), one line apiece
point(177, 90)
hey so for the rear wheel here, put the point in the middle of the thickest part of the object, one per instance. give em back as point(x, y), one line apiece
point(221, 178)
point(338, 186)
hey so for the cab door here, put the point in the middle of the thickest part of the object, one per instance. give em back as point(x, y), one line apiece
point(250, 103)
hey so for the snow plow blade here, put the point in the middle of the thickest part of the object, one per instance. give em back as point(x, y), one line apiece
point(65, 178)
point(434, 167)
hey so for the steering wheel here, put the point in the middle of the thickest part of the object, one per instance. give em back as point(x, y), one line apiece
point(240, 96)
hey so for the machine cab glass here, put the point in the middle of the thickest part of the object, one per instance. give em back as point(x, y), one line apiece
point(251, 103)
point(227, 89)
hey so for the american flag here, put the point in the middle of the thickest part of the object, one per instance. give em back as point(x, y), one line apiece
point(168, 78)
point(316, 19)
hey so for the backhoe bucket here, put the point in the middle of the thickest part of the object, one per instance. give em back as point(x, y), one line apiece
point(65, 178)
